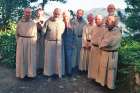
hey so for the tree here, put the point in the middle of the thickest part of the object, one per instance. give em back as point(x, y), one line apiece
point(121, 16)
point(133, 15)
point(11, 10)
point(45, 1)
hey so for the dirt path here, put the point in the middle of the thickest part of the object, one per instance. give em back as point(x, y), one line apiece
point(41, 84)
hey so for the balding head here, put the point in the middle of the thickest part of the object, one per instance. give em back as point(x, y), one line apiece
point(90, 18)
point(111, 20)
point(99, 20)
point(57, 12)
point(27, 12)
point(111, 9)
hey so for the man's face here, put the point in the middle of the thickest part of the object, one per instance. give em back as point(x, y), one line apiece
point(90, 19)
point(40, 13)
point(27, 13)
point(111, 9)
point(80, 13)
point(111, 20)
point(98, 21)
point(57, 13)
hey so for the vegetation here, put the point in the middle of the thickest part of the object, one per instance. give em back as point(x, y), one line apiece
point(133, 13)
point(11, 10)
point(8, 46)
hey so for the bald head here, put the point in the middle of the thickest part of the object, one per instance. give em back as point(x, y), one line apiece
point(99, 20)
point(27, 12)
point(90, 18)
point(111, 20)
point(57, 12)
point(111, 9)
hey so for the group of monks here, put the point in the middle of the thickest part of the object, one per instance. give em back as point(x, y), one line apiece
point(62, 44)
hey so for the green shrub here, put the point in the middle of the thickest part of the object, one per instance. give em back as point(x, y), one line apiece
point(129, 62)
point(8, 46)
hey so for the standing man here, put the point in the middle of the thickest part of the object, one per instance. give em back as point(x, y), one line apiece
point(26, 37)
point(40, 20)
point(54, 61)
point(68, 44)
point(96, 37)
point(86, 43)
point(109, 54)
point(78, 25)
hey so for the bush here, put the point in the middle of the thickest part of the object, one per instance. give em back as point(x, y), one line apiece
point(8, 46)
point(129, 62)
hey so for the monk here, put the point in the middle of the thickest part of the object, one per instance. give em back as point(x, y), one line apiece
point(109, 53)
point(96, 36)
point(86, 43)
point(54, 61)
point(78, 24)
point(111, 9)
point(26, 37)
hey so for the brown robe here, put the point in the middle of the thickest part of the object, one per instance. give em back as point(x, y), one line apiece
point(54, 61)
point(95, 52)
point(86, 42)
point(26, 37)
point(109, 57)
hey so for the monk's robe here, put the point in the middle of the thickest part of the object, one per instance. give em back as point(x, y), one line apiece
point(86, 46)
point(109, 57)
point(26, 37)
point(94, 62)
point(54, 60)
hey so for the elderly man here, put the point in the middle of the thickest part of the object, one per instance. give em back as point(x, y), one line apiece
point(54, 28)
point(78, 25)
point(40, 20)
point(68, 44)
point(86, 43)
point(111, 9)
point(109, 55)
point(26, 37)
point(96, 37)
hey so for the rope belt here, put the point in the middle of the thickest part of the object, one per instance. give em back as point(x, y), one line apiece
point(26, 36)
point(95, 45)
